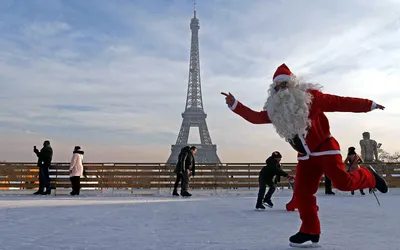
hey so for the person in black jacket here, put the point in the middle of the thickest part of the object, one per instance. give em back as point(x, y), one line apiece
point(266, 175)
point(178, 170)
point(45, 156)
point(185, 168)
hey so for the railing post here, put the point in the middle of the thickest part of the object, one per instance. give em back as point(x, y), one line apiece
point(55, 180)
point(218, 169)
point(248, 170)
point(159, 177)
point(113, 174)
point(385, 172)
point(101, 176)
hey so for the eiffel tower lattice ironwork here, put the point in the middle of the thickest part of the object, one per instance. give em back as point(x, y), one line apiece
point(194, 115)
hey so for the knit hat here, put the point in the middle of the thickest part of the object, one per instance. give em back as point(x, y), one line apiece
point(282, 73)
point(276, 154)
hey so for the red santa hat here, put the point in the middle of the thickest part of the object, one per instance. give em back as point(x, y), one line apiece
point(282, 73)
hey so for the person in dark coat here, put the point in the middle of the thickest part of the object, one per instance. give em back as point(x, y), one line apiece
point(185, 168)
point(178, 171)
point(45, 156)
point(272, 169)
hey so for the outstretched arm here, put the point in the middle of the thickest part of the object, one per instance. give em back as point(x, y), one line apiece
point(36, 151)
point(282, 173)
point(255, 117)
point(334, 103)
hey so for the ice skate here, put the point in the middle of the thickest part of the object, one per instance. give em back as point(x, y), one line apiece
point(268, 203)
point(303, 240)
point(186, 194)
point(381, 184)
point(47, 192)
point(259, 208)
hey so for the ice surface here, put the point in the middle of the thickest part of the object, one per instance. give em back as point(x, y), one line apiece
point(204, 221)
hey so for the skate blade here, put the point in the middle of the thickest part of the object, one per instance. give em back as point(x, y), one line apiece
point(259, 209)
point(312, 245)
point(265, 204)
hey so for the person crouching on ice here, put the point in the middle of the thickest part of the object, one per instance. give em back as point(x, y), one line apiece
point(267, 173)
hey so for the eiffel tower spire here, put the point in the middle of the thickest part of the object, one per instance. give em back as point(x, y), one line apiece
point(194, 115)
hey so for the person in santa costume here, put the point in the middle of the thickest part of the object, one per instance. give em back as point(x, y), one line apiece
point(296, 110)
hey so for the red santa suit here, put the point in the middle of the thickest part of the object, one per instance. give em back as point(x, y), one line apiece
point(318, 152)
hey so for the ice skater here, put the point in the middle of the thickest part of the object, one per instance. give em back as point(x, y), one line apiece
point(185, 167)
point(297, 111)
point(268, 172)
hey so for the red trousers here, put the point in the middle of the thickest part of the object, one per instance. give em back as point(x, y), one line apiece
point(308, 177)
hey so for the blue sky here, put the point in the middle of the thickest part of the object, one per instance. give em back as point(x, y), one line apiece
point(111, 76)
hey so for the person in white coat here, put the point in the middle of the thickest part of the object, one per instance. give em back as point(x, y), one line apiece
point(76, 170)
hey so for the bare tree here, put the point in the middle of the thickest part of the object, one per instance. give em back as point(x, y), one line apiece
point(388, 157)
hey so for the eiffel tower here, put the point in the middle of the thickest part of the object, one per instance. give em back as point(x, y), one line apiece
point(194, 115)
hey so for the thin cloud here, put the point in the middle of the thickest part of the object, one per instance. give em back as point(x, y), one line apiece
point(116, 76)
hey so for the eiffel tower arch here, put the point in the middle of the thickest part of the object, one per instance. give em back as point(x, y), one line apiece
point(194, 115)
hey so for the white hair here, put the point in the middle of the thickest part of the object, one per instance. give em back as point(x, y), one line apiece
point(289, 109)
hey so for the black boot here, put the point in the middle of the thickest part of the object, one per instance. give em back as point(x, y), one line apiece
point(328, 186)
point(175, 193)
point(300, 239)
point(352, 192)
point(186, 194)
point(362, 191)
point(381, 184)
point(38, 192)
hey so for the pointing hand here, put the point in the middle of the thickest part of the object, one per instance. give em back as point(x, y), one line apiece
point(378, 106)
point(230, 99)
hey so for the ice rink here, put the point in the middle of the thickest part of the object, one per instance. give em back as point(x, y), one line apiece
point(205, 221)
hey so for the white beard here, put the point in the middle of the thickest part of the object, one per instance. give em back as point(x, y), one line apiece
point(289, 109)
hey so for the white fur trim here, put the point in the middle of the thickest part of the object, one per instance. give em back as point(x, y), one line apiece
point(373, 106)
point(329, 152)
point(280, 78)
point(302, 158)
point(234, 105)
